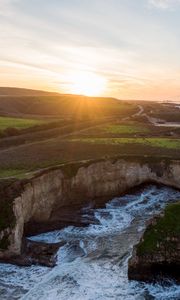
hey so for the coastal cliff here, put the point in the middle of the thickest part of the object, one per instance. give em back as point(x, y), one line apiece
point(53, 196)
point(158, 252)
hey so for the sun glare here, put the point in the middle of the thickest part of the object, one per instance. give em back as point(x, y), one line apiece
point(86, 83)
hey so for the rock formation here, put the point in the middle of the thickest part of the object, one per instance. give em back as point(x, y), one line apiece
point(52, 198)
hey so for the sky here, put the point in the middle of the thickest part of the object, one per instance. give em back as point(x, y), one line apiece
point(128, 49)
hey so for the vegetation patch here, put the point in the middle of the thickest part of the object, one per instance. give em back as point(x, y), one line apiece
point(163, 233)
point(18, 123)
point(9, 190)
point(124, 129)
point(8, 173)
point(6, 204)
point(152, 142)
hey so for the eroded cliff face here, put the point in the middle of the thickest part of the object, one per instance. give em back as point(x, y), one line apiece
point(48, 196)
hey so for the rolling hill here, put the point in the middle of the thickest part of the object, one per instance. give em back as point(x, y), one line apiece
point(23, 103)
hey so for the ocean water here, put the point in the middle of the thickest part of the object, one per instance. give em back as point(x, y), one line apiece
point(92, 265)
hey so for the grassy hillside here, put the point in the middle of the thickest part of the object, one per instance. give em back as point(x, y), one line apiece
point(13, 91)
point(55, 129)
point(55, 105)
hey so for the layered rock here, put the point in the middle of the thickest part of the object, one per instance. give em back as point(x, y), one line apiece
point(52, 198)
point(158, 252)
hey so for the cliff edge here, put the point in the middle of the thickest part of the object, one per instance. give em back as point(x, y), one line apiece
point(53, 197)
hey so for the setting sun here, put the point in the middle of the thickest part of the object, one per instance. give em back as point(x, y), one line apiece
point(86, 83)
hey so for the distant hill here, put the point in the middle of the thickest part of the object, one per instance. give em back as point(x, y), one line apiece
point(25, 102)
point(13, 91)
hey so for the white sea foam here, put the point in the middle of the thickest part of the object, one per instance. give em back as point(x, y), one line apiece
point(92, 265)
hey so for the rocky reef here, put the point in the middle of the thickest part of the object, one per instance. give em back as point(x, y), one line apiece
point(158, 252)
point(52, 198)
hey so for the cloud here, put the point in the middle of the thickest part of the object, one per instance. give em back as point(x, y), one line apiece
point(7, 7)
point(163, 4)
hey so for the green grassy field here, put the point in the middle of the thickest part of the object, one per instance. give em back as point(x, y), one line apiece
point(124, 129)
point(152, 142)
point(18, 123)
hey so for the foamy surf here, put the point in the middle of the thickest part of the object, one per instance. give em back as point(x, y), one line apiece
point(92, 265)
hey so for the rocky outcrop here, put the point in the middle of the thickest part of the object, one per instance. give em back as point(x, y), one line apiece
point(53, 197)
point(158, 252)
point(35, 253)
